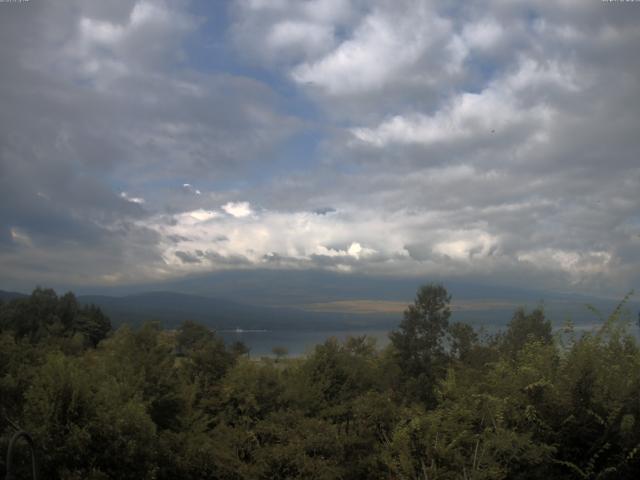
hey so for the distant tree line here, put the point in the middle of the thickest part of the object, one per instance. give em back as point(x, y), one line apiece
point(442, 401)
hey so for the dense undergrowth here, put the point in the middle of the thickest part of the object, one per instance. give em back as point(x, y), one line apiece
point(441, 402)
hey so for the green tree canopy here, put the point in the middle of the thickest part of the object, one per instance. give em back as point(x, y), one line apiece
point(526, 327)
point(419, 342)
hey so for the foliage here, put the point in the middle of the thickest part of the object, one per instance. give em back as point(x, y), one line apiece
point(438, 403)
point(419, 343)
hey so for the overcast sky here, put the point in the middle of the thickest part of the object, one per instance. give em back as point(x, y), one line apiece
point(489, 140)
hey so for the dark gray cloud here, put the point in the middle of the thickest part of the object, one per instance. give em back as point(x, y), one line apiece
point(99, 106)
point(485, 139)
point(187, 257)
point(515, 120)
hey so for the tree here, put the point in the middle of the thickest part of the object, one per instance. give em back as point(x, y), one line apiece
point(68, 310)
point(192, 336)
point(239, 349)
point(419, 342)
point(280, 352)
point(463, 340)
point(93, 324)
point(83, 418)
point(524, 328)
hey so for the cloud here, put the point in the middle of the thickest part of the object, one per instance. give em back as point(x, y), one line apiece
point(576, 263)
point(191, 189)
point(186, 257)
point(466, 244)
point(410, 242)
point(283, 31)
point(382, 49)
point(138, 200)
point(238, 209)
point(198, 215)
point(504, 106)
point(99, 102)
point(301, 37)
point(484, 34)
point(496, 140)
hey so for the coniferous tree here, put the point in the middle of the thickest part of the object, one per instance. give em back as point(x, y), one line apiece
point(419, 342)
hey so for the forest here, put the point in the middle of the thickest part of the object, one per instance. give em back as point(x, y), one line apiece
point(441, 401)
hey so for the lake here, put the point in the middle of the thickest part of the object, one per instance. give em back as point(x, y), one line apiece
point(261, 342)
point(301, 342)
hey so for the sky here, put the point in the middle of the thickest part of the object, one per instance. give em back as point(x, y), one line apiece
point(148, 141)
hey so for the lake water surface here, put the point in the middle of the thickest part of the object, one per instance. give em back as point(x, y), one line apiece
point(301, 342)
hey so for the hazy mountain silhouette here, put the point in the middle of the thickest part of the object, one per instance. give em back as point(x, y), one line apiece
point(172, 308)
point(270, 299)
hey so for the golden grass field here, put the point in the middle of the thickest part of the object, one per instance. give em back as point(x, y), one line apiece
point(366, 306)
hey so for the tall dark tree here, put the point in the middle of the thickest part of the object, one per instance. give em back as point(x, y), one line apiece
point(525, 327)
point(419, 342)
point(463, 340)
point(192, 336)
point(67, 310)
point(93, 324)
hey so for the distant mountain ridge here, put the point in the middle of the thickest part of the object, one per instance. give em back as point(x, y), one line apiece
point(302, 301)
point(171, 309)
point(301, 287)
point(7, 296)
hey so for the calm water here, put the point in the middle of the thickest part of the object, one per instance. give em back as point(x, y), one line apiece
point(261, 342)
point(297, 343)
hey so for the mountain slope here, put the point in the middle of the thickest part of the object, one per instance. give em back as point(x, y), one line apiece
point(172, 308)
